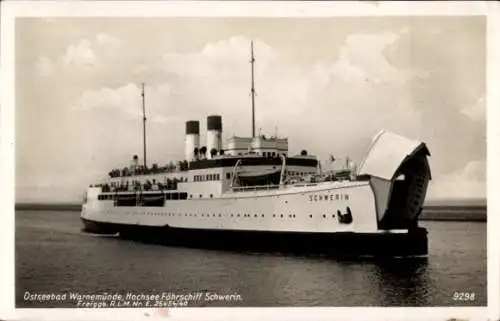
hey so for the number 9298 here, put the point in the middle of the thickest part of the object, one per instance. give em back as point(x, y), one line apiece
point(464, 296)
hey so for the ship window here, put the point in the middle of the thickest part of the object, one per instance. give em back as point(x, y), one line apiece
point(218, 177)
point(169, 196)
point(184, 196)
point(228, 175)
point(281, 215)
point(274, 215)
point(175, 196)
point(190, 195)
point(231, 215)
point(219, 215)
point(238, 215)
point(310, 216)
point(201, 196)
point(211, 195)
point(262, 215)
point(255, 215)
point(324, 215)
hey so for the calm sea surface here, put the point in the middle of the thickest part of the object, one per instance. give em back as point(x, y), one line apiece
point(54, 257)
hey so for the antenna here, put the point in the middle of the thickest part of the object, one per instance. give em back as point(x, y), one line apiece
point(252, 90)
point(144, 123)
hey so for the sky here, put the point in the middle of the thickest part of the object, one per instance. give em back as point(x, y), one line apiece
point(328, 84)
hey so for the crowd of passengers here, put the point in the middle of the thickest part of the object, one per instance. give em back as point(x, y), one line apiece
point(144, 170)
point(135, 186)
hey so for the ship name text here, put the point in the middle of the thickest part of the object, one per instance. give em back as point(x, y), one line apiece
point(328, 197)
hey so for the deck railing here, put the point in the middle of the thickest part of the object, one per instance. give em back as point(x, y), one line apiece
point(254, 188)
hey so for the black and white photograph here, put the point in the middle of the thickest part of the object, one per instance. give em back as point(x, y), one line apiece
point(242, 161)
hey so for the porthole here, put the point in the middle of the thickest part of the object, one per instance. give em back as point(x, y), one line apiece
point(255, 215)
point(201, 196)
point(231, 215)
point(333, 215)
point(220, 215)
point(211, 195)
point(281, 215)
point(238, 215)
point(274, 215)
point(310, 216)
point(324, 216)
point(262, 215)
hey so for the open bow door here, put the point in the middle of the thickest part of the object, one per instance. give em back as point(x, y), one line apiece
point(399, 174)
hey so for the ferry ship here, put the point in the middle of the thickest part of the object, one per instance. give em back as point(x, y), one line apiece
point(253, 194)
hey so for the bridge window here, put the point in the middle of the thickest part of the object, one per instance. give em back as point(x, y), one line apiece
point(175, 196)
point(228, 175)
point(183, 196)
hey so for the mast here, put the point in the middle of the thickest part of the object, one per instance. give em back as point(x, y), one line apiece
point(144, 124)
point(252, 90)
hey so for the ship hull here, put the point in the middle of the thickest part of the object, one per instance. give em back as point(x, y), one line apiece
point(413, 243)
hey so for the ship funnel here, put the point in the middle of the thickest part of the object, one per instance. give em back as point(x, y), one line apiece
point(214, 134)
point(192, 139)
